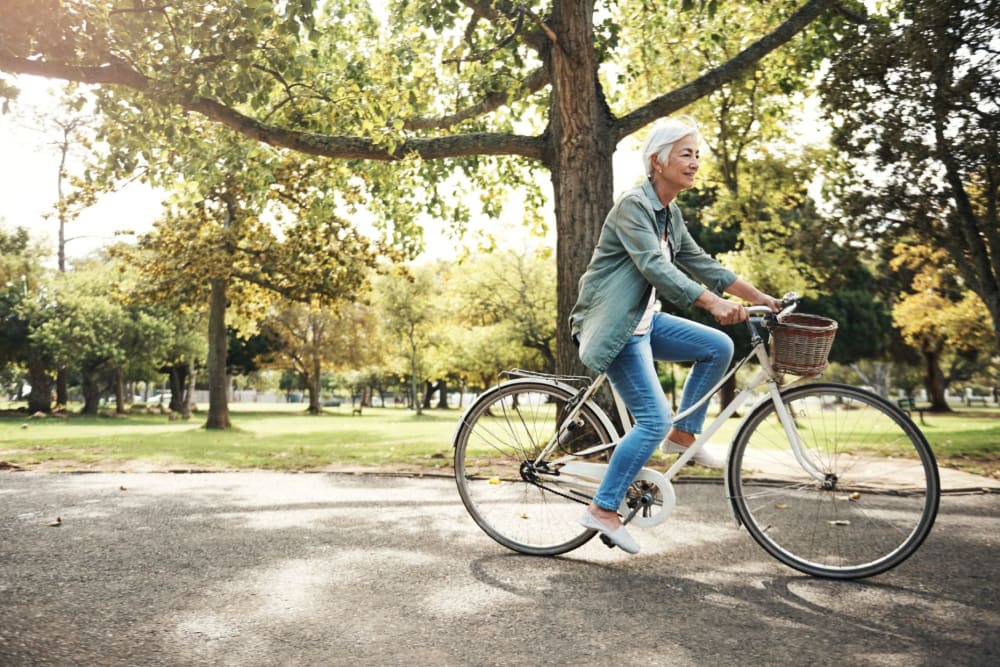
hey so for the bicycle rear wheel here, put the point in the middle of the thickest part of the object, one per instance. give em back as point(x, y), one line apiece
point(877, 497)
point(496, 448)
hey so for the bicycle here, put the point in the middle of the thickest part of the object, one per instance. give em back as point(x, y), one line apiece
point(830, 479)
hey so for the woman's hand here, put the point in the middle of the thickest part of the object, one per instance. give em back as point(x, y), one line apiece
point(767, 300)
point(723, 310)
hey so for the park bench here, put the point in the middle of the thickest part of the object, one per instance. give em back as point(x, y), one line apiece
point(908, 405)
point(969, 400)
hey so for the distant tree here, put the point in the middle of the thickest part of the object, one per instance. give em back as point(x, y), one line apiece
point(513, 291)
point(303, 342)
point(406, 299)
point(935, 314)
point(83, 329)
point(21, 276)
point(245, 226)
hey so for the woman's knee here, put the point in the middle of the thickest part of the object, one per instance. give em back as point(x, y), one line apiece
point(655, 427)
point(721, 347)
point(727, 348)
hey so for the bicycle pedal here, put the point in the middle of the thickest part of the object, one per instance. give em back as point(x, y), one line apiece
point(607, 541)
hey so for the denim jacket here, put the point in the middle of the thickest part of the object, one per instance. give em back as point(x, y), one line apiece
point(627, 263)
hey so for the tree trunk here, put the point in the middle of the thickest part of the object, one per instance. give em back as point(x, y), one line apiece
point(188, 391)
point(935, 382)
point(428, 392)
point(178, 381)
point(312, 386)
point(442, 395)
point(218, 381)
point(40, 397)
point(413, 377)
point(579, 151)
point(91, 394)
point(62, 393)
point(119, 392)
point(728, 393)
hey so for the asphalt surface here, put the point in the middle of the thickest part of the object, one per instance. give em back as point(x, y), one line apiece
point(327, 569)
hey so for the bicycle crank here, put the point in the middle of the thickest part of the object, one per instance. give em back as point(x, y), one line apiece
point(649, 500)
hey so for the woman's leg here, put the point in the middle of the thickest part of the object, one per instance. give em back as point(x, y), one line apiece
point(677, 339)
point(634, 378)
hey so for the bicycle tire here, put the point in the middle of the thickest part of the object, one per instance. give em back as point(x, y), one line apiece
point(499, 435)
point(880, 493)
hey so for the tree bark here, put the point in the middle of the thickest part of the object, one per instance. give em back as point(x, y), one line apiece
point(580, 146)
point(218, 381)
point(442, 394)
point(428, 392)
point(188, 391)
point(119, 392)
point(40, 397)
point(91, 393)
point(935, 382)
point(178, 381)
point(62, 391)
point(312, 385)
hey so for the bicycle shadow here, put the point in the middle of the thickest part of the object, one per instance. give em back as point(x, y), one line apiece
point(697, 607)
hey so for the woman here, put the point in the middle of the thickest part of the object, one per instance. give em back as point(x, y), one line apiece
point(619, 331)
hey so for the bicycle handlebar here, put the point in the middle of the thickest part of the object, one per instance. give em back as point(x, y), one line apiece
point(789, 302)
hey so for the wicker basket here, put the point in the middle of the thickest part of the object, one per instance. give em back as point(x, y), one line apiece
point(801, 343)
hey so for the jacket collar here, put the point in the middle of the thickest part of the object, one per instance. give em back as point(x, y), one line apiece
point(654, 199)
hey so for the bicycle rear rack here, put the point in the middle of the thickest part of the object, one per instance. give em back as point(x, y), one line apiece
point(514, 373)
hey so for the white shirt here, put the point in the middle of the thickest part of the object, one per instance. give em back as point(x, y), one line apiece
point(654, 305)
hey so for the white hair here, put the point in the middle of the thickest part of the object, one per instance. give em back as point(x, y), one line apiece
point(665, 133)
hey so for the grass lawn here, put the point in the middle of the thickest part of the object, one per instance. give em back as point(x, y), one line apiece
point(283, 437)
point(273, 437)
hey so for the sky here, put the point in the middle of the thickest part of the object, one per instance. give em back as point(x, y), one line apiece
point(29, 167)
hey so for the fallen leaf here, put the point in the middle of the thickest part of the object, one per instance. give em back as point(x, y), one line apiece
point(122, 488)
point(780, 506)
point(56, 523)
point(839, 522)
point(494, 480)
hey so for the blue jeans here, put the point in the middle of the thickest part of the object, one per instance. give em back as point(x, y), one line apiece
point(633, 375)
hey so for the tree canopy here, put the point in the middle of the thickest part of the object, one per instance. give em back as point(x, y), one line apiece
point(470, 80)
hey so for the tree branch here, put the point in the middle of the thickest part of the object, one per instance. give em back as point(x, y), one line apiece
point(729, 71)
point(481, 56)
point(494, 11)
point(535, 82)
point(361, 148)
point(118, 74)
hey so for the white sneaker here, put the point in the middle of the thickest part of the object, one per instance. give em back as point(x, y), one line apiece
point(703, 458)
point(618, 536)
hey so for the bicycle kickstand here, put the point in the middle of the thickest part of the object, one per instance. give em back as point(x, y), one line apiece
point(645, 500)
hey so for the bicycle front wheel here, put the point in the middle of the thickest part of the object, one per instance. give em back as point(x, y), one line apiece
point(870, 499)
point(500, 479)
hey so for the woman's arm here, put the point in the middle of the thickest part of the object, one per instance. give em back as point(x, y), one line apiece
point(744, 290)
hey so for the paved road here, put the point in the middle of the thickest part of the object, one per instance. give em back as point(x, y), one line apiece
point(326, 569)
